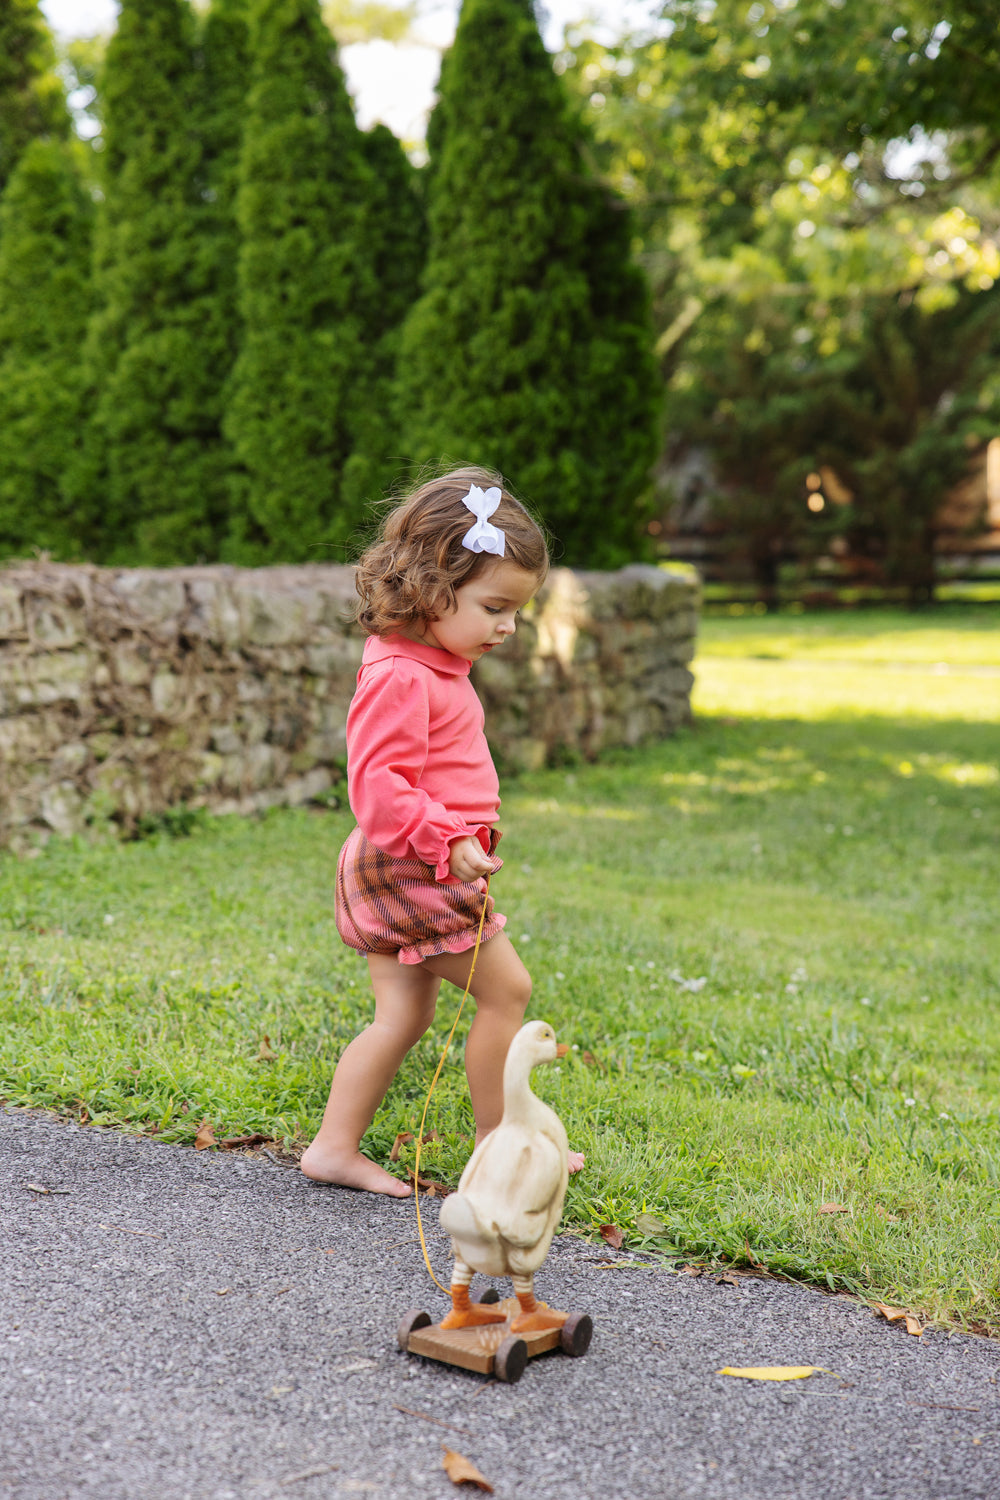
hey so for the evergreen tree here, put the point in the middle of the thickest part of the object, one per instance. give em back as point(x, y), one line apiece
point(304, 371)
point(394, 245)
point(32, 102)
point(530, 348)
point(153, 482)
point(45, 233)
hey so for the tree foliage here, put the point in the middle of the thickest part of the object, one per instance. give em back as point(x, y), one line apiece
point(45, 240)
point(530, 346)
point(152, 480)
point(31, 93)
point(304, 372)
point(798, 254)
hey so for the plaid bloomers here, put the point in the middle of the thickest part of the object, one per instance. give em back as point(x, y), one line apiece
point(395, 906)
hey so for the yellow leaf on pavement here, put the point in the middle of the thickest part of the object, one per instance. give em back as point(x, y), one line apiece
point(460, 1471)
point(773, 1372)
point(890, 1314)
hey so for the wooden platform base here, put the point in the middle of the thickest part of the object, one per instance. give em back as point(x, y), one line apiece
point(492, 1349)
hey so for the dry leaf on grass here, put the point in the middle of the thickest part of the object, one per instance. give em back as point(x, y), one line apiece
point(427, 1185)
point(235, 1142)
point(205, 1137)
point(592, 1062)
point(403, 1139)
point(460, 1471)
point(834, 1208)
point(688, 1270)
point(612, 1236)
point(773, 1372)
point(913, 1325)
point(265, 1052)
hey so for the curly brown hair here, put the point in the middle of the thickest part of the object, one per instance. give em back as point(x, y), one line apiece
point(409, 574)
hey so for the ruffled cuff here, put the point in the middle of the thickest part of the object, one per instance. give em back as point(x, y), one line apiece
point(442, 873)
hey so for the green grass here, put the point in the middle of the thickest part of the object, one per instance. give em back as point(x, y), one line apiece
point(770, 942)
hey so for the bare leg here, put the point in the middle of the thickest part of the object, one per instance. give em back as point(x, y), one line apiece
point(405, 997)
point(501, 988)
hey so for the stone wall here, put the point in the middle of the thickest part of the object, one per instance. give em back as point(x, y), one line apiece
point(125, 693)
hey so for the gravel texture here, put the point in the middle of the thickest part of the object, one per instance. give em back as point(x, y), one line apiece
point(198, 1326)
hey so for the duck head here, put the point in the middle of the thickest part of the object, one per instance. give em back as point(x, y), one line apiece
point(535, 1043)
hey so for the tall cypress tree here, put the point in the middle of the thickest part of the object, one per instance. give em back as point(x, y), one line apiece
point(531, 347)
point(394, 245)
point(153, 483)
point(303, 370)
point(45, 232)
point(32, 102)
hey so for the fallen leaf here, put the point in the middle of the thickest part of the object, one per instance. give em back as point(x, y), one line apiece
point(265, 1052)
point(403, 1139)
point(649, 1224)
point(913, 1325)
point(884, 1213)
point(834, 1208)
point(591, 1061)
point(223, 1291)
point(234, 1142)
point(612, 1236)
point(432, 1135)
point(460, 1471)
point(727, 1279)
point(205, 1136)
point(562, 1049)
point(890, 1314)
point(427, 1185)
point(689, 1270)
point(773, 1372)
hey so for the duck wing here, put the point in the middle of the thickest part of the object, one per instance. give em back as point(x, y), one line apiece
point(517, 1187)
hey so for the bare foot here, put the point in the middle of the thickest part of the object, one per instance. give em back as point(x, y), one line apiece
point(351, 1169)
point(576, 1161)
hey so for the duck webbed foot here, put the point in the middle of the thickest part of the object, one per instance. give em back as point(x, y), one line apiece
point(466, 1314)
point(535, 1315)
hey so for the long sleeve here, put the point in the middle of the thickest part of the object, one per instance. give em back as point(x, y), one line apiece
point(389, 743)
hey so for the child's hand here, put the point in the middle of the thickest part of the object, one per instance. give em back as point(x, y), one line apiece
point(468, 861)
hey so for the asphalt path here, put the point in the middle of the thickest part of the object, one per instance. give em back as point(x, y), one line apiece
point(200, 1326)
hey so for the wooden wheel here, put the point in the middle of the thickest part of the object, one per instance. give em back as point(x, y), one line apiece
point(409, 1323)
point(511, 1358)
point(575, 1335)
point(490, 1295)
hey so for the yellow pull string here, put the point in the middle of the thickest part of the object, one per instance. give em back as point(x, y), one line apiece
point(437, 1075)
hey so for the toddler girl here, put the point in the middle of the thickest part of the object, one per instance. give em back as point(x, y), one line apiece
point(440, 587)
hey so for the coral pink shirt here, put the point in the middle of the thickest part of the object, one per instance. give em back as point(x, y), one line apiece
point(419, 771)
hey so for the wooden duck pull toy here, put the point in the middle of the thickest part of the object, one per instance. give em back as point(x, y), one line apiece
point(501, 1221)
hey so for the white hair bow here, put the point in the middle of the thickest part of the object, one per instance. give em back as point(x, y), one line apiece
point(483, 537)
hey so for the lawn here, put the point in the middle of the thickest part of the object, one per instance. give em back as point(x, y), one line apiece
point(771, 944)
